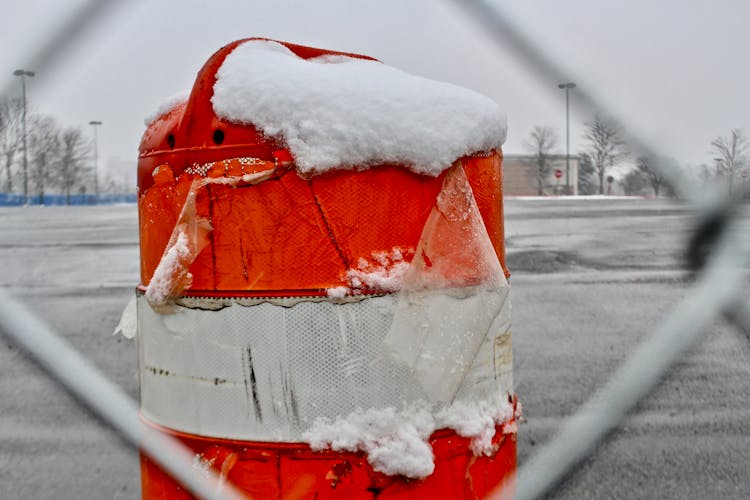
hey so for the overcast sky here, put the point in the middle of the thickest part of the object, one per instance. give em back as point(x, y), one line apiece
point(676, 71)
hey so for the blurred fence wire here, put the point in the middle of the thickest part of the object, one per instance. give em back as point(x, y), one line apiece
point(714, 252)
point(80, 378)
point(106, 400)
point(52, 48)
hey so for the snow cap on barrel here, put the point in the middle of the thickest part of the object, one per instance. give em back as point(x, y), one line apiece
point(344, 111)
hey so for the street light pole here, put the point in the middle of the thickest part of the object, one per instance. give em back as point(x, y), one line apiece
point(567, 86)
point(23, 74)
point(94, 124)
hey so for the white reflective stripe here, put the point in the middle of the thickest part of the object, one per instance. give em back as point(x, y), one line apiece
point(267, 372)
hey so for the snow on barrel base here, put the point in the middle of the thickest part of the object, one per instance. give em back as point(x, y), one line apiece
point(396, 442)
point(324, 309)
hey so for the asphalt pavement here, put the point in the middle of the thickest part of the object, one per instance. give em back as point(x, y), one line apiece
point(591, 278)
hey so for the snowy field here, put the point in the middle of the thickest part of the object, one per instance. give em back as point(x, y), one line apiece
point(590, 279)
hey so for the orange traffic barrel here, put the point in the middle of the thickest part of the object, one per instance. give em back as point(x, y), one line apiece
point(323, 309)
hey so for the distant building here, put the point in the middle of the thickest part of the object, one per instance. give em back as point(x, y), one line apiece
point(519, 176)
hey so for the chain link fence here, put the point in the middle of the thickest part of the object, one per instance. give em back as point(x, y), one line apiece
point(715, 254)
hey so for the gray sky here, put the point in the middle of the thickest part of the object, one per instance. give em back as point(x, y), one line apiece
point(675, 70)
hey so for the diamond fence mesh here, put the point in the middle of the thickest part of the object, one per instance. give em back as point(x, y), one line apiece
point(716, 254)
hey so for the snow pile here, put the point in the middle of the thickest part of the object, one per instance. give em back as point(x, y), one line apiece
point(396, 443)
point(385, 273)
point(344, 112)
point(477, 420)
point(168, 105)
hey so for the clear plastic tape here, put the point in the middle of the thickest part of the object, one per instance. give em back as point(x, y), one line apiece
point(267, 372)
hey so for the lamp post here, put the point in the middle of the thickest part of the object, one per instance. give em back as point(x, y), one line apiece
point(94, 124)
point(23, 74)
point(567, 86)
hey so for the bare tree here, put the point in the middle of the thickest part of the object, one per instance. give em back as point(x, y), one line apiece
point(540, 144)
point(634, 182)
point(704, 173)
point(73, 168)
point(606, 146)
point(659, 184)
point(11, 111)
point(586, 183)
point(44, 153)
point(730, 156)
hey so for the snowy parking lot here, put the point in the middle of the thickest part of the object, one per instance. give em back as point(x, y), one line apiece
point(590, 279)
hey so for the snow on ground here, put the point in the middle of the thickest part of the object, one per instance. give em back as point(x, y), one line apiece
point(572, 326)
point(601, 197)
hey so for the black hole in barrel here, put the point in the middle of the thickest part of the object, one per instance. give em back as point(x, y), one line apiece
point(170, 141)
point(218, 136)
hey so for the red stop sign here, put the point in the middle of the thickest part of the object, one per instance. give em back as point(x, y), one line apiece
point(558, 173)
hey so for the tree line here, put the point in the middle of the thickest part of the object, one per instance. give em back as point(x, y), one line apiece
point(605, 147)
point(59, 159)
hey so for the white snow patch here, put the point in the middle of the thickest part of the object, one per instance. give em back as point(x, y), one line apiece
point(396, 442)
point(338, 292)
point(166, 106)
point(510, 427)
point(384, 273)
point(344, 112)
point(476, 420)
point(383, 278)
point(171, 271)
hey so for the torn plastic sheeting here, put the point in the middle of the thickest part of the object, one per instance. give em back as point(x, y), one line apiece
point(128, 325)
point(268, 371)
point(189, 237)
point(452, 294)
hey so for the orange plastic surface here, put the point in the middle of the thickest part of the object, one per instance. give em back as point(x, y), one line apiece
point(485, 175)
point(288, 235)
point(293, 471)
point(188, 133)
point(294, 236)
